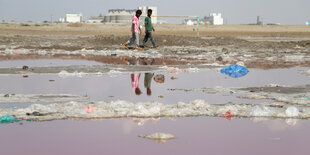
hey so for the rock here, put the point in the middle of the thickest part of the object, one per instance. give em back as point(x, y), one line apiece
point(225, 50)
point(173, 78)
point(219, 58)
point(25, 67)
point(159, 78)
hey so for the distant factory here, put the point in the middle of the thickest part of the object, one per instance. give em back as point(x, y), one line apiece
point(119, 16)
point(212, 19)
point(125, 16)
point(72, 18)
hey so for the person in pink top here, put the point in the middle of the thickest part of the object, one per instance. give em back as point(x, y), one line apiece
point(135, 83)
point(135, 30)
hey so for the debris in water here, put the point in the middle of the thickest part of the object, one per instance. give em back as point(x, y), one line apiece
point(173, 78)
point(292, 111)
point(25, 68)
point(159, 137)
point(228, 115)
point(35, 113)
point(235, 71)
point(8, 119)
point(89, 109)
point(159, 78)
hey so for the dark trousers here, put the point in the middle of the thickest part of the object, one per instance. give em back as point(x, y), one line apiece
point(147, 36)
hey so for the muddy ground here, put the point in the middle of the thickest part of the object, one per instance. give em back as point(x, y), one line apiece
point(256, 46)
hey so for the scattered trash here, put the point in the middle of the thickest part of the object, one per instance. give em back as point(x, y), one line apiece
point(25, 67)
point(25, 76)
point(6, 95)
point(35, 113)
point(159, 137)
point(160, 96)
point(51, 80)
point(292, 111)
point(8, 119)
point(175, 70)
point(89, 109)
point(235, 71)
point(259, 111)
point(64, 74)
point(306, 97)
point(219, 58)
point(225, 50)
point(228, 115)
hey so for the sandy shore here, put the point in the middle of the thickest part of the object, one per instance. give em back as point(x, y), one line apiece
point(256, 46)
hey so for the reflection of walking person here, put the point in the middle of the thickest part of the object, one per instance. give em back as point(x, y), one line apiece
point(147, 82)
point(135, 83)
point(135, 29)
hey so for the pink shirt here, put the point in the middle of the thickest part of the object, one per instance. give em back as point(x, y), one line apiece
point(135, 80)
point(135, 24)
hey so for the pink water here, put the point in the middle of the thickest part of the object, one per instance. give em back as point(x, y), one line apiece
point(120, 136)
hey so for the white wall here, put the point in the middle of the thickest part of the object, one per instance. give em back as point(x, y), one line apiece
point(73, 18)
point(144, 13)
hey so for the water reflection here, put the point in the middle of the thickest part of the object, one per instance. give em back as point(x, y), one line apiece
point(135, 77)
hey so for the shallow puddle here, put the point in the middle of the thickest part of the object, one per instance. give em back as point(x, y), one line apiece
point(45, 63)
point(198, 135)
point(119, 86)
point(194, 135)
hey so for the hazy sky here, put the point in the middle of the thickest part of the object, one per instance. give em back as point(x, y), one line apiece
point(295, 12)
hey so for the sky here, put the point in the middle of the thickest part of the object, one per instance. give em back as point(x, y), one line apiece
point(286, 12)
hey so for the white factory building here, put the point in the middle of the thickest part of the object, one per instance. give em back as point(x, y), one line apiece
point(72, 18)
point(119, 16)
point(215, 19)
point(144, 13)
point(125, 16)
point(212, 19)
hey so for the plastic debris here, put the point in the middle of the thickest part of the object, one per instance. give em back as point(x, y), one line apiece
point(89, 109)
point(235, 71)
point(8, 119)
point(159, 137)
point(260, 111)
point(12, 107)
point(228, 115)
point(292, 111)
point(35, 113)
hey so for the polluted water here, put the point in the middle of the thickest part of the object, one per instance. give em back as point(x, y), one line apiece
point(152, 109)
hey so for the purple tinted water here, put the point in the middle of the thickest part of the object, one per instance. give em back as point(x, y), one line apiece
point(201, 135)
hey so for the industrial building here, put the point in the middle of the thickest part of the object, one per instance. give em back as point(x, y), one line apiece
point(215, 19)
point(125, 16)
point(119, 16)
point(212, 19)
point(144, 13)
point(72, 18)
point(98, 19)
